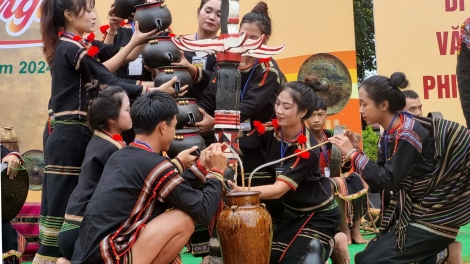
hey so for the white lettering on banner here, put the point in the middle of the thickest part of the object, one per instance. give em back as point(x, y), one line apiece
point(18, 16)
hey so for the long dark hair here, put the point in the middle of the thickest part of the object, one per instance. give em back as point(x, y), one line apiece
point(303, 94)
point(53, 21)
point(104, 103)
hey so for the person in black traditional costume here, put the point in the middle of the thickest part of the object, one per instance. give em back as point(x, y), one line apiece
point(108, 115)
point(260, 80)
point(143, 208)
point(13, 243)
point(430, 184)
point(74, 62)
point(310, 210)
point(463, 69)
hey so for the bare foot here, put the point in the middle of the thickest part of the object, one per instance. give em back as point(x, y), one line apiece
point(340, 254)
point(205, 260)
point(455, 253)
point(63, 261)
point(346, 232)
point(357, 237)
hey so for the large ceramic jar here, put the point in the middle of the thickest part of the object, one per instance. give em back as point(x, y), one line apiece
point(153, 16)
point(159, 52)
point(126, 8)
point(185, 139)
point(244, 228)
point(164, 74)
point(189, 112)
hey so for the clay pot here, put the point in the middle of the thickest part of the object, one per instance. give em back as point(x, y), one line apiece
point(126, 8)
point(185, 139)
point(167, 73)
point(159, 52)
point(152, 16)
point(244, 228)
point(189, 112)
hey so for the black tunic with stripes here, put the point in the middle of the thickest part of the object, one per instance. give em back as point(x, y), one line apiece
point(136, 186)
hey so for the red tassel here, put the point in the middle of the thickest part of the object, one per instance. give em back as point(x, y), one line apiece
point(103, 28)
point(171, 35)
point(91, 37)
point(117, 137)
point(77, 38)
point(275, 124)
point(264, 60)
point(123, 23)
point(259, 126)
point(302, 139)
point(93, 51)
point(60, 33)
point(304, 155)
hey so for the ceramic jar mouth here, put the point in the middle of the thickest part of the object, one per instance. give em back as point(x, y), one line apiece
point(185, 101)
point(150, 5)
point(156, 39)
point(243, 194)
point(187, 132)
point(170, 69)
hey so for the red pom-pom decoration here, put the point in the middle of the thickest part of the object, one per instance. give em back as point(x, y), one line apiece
point(91, 37)
point(103, 28)
point(117, 137)
point(60, 33)
point(275, 124)
point(123, 23)
point(77, 38)
point(264, 60)
point(304, 155)
point(302, 139)
point(171, 35)
point(259, 126)
point(93, 51)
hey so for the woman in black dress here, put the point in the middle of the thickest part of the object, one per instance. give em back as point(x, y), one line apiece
point(310, 210)
point(108, 116)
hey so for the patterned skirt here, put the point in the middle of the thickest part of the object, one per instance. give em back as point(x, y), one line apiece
point(295, 231)
point(63, 156)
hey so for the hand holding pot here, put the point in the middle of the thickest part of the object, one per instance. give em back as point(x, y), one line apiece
point(185, 63)
point(215, 157)
point(138, 38)
point(113, 21)
point(168, 88)
point(207, 122)
point(186, 157)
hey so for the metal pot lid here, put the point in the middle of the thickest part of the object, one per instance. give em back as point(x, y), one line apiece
point(332, 72)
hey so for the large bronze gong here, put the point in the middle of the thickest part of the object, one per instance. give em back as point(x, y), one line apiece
point(330, 71)
point(34, 165)
point(14, 193)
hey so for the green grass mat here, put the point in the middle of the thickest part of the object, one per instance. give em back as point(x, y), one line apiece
point(463, 237)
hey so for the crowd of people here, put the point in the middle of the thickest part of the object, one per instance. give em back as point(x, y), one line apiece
point(111, 195)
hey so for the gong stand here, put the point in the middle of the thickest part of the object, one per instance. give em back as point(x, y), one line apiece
point(229, 49)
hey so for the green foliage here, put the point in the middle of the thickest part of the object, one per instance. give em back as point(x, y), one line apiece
point(370, 140)
point(365, 37)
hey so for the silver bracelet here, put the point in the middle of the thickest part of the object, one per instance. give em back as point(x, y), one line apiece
point(350, 152)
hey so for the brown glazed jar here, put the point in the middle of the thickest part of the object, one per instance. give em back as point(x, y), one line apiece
point(185, 139)
point(159, 52)
point(164, 74)
point(245, 230)
point(126, 8)
point(153, 16)
point(189, 112)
